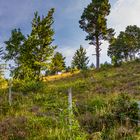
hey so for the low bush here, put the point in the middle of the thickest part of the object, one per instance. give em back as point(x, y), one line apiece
point(105, 65)
point(27, 86)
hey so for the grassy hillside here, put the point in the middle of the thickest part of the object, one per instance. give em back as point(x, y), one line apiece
point(104, 106)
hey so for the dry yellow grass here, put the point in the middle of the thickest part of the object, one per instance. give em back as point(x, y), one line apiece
point(57, 77)
point(3, 85)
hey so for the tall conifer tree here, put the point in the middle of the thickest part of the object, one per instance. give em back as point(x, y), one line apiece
point(94, 22)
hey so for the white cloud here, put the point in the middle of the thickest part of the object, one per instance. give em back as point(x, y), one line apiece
point(91, 50)
point(67, 52)
point(124, 13)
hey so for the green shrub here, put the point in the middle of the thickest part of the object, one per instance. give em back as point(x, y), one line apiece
point(86, 73)
point(125, 107)
point(27, 86)
point(137, 60)
point(105, 65)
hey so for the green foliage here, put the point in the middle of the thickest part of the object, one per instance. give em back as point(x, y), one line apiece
point(86, 73)
point(80, 60)
point(92, 66)
point(100, 110)
point(108, 115)
point(39, 44)
point(125, 107)
point(27, 86)
point(73, 130)
point(68, 69)
point(14, 46)
point(58, 63)
point(125, 46)
point(32, 54)
point(105, 65)
point(94, 22)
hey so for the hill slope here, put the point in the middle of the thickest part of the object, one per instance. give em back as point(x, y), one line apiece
point(104, 107)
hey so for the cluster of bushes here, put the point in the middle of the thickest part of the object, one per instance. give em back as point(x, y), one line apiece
point(96, 115)
point(28, 86)
point(102, 117)
point(107, 118)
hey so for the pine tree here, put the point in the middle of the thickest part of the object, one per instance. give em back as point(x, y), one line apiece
point(39, 43)
point(13, 49)
point(14, 45)
point(58, 63)
point(80, 60)
point(33, 53)
point(94, 22)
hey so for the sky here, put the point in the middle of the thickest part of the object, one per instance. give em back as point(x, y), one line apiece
point(68, 36)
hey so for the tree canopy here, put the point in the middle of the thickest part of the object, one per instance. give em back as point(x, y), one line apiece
point(14, 45)
point(126, 45)
point(80, 60)
point(33, 53)
point(94, 22)
point(57, 63)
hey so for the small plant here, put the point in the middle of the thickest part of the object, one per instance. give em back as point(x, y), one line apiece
point(86, 73)
point(125, 107)
point(27, 86)
point(105, 65)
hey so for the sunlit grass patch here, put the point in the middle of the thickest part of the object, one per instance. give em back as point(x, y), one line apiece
point(59, 76)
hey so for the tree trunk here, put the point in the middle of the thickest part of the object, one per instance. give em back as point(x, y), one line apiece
point(97, 53)
point(130, 56)
point(134, 56)
point(126, 58)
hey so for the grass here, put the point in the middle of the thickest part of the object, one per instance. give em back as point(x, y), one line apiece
point(104, 102)
point(60, 76)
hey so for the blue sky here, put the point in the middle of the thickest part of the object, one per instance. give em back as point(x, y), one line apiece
point(68, 35)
